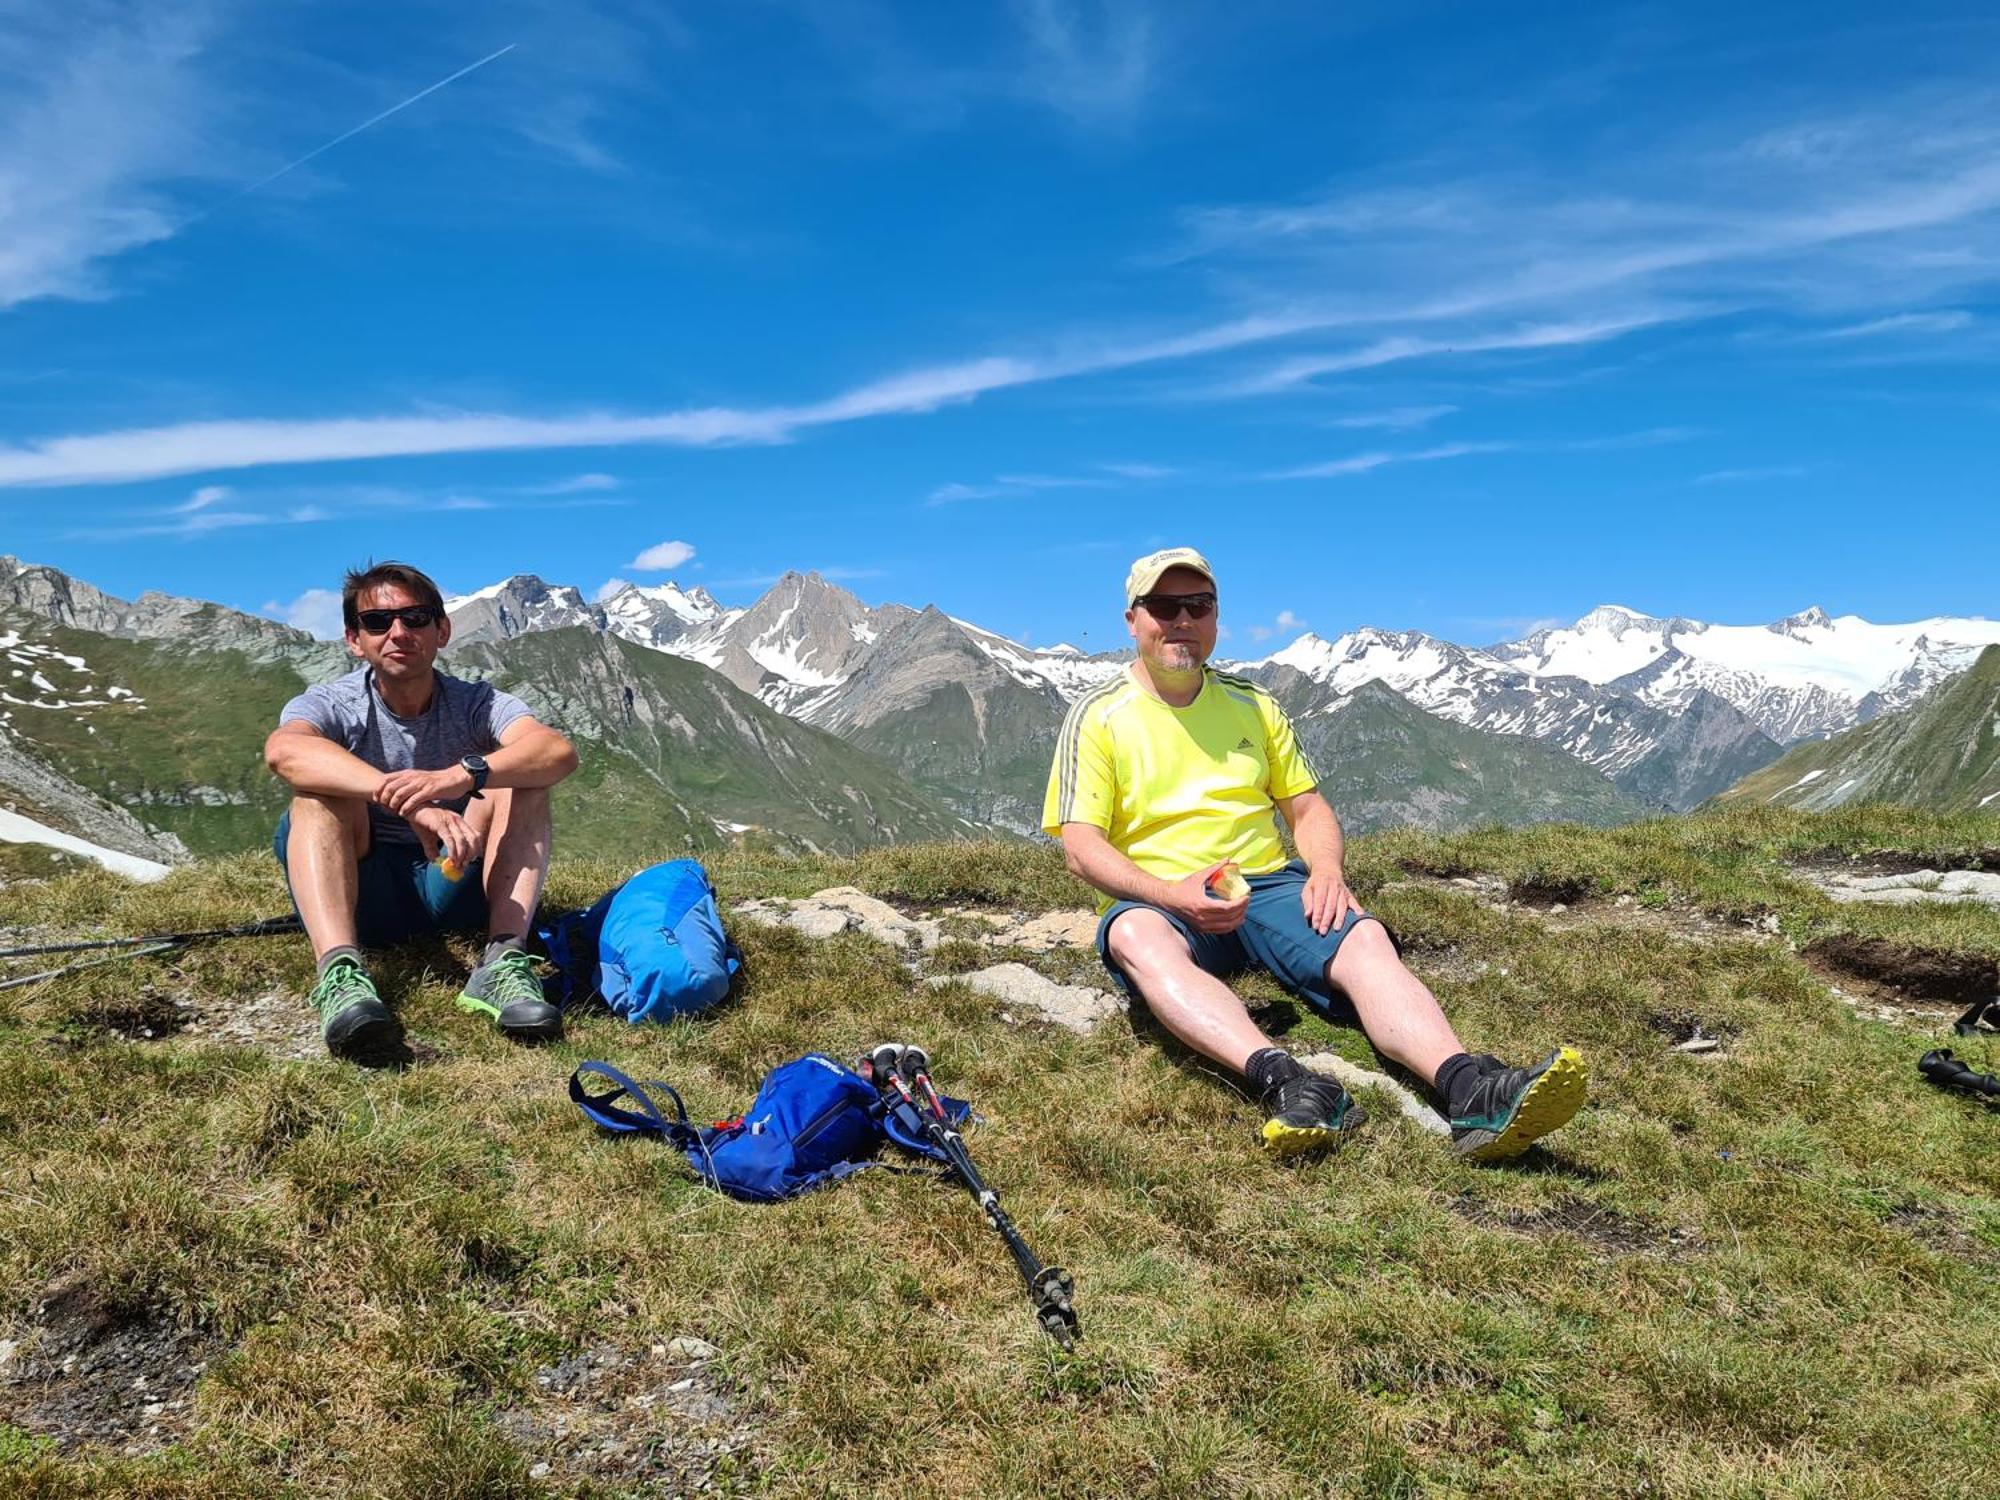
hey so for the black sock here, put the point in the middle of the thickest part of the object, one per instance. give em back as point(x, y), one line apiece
point(346, 951)
point(499, 943)
point(1270, 1066)
point(1455, 1077)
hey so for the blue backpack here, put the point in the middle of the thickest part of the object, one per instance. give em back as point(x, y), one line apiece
point(654, 947)
point(812, 1123)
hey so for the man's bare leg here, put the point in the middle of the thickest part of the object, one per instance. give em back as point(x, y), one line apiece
point(1308, 1112)
point(516, 862)
point(323, 852)
point(1398, 1012)
point(515, 821)
point(1200, 1010)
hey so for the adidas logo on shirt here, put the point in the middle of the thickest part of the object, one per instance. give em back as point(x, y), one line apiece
point(1244, 743)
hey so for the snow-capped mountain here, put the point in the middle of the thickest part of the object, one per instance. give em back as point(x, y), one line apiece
point(514, 606)
point(1804, 676)
point(1671, 757)
point(661, 614)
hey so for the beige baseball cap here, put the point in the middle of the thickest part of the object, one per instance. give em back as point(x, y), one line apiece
point(1147, 570)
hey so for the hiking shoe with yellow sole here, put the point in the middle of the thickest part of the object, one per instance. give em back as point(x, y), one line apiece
point(1310, 1112)
point(1511, 1108)
point(508, 992)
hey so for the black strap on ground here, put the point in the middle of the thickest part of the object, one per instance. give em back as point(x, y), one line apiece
point(1947, 1072)
point(138, 947)
point(1980, 1011)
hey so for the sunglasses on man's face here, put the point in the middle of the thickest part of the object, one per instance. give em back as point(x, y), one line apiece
point(416, 616)
point(1167, 607)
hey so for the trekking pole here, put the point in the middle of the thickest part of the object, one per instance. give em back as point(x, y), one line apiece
point(1050, 1288)
point(137, 947)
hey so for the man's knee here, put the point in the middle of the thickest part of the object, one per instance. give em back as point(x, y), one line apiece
point(313, 810)
point(1367, 949)
point(1146, 943)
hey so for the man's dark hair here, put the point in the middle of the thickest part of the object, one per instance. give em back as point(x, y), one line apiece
point(360, 580)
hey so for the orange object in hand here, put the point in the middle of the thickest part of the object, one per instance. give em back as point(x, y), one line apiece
point(1228, 884)
point(450, 868)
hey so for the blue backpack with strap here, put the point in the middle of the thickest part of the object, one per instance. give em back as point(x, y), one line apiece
point(813, 1122)
point(653, 948)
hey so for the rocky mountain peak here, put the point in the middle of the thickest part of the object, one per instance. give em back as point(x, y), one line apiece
point(1797, 625)
point(516, 605)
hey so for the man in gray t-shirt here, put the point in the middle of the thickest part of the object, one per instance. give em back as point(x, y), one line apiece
point(420, 804)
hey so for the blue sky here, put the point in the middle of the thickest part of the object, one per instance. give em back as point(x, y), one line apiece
point(1416, 315)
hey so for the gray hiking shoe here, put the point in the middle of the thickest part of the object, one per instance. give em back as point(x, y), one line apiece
point(357, 1026)
point(506, 989)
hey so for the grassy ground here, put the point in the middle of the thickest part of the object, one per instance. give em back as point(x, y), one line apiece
point(1770, 1270)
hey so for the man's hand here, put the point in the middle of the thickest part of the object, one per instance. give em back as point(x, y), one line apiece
point(1190, 901)
point(403, 792)
point(441, 827)
point(1327, 900)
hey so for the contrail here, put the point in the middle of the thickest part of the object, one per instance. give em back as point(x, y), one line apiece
point(364, 125)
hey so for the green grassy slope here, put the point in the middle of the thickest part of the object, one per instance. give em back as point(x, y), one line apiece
point(670, 748)
point(1386, 763)
point(1942, 752)
point(1764, 1271)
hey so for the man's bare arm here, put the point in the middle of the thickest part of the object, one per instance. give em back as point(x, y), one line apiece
point(1091, 856)
point(300, 755)
point(530, 754)
point(1315, 830)
point(1325, 898)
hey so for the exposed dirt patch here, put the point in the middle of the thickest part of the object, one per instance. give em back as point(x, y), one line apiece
point(1605, 1230)
point(652, 1421)
point(1903, 975)
point(1827, 861)
point(87, 1373)
point(1542, 888)
point(1943, 1231)
point(146, 1016)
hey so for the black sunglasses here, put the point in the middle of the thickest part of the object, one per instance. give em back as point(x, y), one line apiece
point(416, 616)
point(1166, 607)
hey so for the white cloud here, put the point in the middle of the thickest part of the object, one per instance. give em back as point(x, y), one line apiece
point(1092, 60)
point(1916, 322)
point(1288, 621)
point(1139, 471)
point(95, 114)
point(1007, 486)
point(1361, 463)
point(202, 499)
point(316, 611)
point(609, 587)
point(579, 484)
point(1396, 418)
point(1744, 476)
point(662, 557)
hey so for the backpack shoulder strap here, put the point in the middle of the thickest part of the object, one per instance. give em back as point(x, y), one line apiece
point(603, 1108)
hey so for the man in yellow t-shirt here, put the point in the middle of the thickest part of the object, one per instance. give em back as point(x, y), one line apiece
point(1171, 774)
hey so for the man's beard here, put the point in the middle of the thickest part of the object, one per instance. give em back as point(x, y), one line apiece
point(1178, 656)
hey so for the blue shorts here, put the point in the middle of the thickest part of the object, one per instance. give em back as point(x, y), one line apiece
point(1275, 936)
point(401, 894)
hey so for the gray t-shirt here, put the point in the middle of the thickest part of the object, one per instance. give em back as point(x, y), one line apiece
point(465, 718)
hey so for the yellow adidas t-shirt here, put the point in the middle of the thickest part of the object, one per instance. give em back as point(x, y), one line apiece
point(1178, 789)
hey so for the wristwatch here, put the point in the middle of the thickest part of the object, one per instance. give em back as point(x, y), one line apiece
point(475, 766)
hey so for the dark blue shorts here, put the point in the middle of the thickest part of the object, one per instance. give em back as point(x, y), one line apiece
point(402, 895)
point(1275, 936)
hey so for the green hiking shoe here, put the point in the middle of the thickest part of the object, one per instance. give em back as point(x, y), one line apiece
point(506, 990)
point(357, 1026)
point(1309, 1113)
point(1512, 1107)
